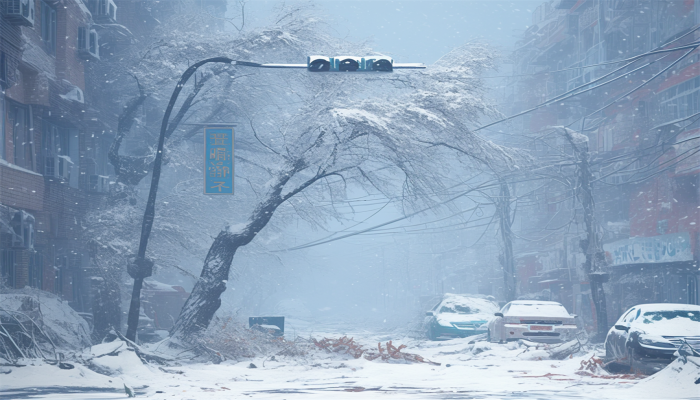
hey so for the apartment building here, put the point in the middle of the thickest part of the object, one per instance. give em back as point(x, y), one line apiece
point(46, 47)
point(641, 128)
point(56, 127)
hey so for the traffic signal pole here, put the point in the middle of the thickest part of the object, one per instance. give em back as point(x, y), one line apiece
point(140, 267)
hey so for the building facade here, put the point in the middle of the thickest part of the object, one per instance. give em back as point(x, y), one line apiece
point(46, 50)
point(56, 129)
point(642, 128)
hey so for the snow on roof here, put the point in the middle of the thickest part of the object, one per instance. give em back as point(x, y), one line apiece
point(668, 307)
point(530, 302)
point(477, 303)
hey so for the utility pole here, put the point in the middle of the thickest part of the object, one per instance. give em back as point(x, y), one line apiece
point(595, 257)
point(507, 261)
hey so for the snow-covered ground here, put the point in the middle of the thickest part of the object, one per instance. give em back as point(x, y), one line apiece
point(478, 370)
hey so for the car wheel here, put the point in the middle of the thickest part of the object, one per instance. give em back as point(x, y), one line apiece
point(431, 334)
point(610, 360)
point(609, 354)
point(635, 363)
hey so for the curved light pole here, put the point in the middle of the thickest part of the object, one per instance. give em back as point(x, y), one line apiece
point(142, 267)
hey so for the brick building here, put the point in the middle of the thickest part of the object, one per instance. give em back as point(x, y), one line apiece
point(56, 128)
point(42, 137)
point(644, 156)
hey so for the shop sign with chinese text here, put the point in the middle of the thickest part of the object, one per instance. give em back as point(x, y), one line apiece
point(218, 159)
point(644, 250)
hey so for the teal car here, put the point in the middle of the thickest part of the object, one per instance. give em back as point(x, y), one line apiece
point(460, 315)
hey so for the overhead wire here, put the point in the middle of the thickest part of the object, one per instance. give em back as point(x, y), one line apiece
point(632, 60)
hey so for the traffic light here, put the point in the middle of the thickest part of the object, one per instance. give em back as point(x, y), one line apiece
point(350, 64)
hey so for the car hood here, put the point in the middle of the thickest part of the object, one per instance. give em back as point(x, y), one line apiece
point(449, 318)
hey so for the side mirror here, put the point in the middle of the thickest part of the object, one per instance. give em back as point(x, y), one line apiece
point(428, 313)
point(622, 328)
point(498, 314)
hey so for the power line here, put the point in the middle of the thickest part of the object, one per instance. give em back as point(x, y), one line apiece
point(571, 93)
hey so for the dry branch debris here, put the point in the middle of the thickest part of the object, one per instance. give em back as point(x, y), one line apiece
point(594, 366)
point(345, 345)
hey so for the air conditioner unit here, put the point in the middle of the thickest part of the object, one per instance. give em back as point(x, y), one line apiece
point(23, 226)
point(88, 42)
point(98, 184)
point(103, 10)
point(20, 12)
point(58, 167)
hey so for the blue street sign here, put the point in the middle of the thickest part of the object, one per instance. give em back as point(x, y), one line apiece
point(218, 160)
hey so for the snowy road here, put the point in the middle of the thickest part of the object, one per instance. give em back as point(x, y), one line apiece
point(466, 371)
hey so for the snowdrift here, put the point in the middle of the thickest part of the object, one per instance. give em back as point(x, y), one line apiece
point(677, 380)
point(54, 325)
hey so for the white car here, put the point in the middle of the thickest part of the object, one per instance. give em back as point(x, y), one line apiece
point(535, 320)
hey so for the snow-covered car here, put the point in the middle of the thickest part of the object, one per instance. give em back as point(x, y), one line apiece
point(535, 320)
point(460, 315)
point(646, 336)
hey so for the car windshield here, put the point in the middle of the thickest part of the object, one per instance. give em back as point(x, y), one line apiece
point(458, 309)
point(651, 317)
point(538, 309)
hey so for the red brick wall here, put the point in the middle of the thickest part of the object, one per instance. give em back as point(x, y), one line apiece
point(658, 199)
point(68, 206)
point(20, 189)
point(69, 66)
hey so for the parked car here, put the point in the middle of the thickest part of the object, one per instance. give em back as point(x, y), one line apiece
point(646, 336)
point(460, 315)
point(535, 320)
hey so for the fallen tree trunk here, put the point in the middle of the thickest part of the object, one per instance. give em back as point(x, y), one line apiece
point(205, 299)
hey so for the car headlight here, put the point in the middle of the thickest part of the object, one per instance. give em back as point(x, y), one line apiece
point(656, 342)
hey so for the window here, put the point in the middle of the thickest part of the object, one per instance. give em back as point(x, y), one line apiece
point(685, 189)
point(680, 101)
point(88, 41)
point(36, 270)
point(629, 316)
point(60, 268)
point(55, 140)
point(7, 267)
point(48, 27)
point(94, 48)
point(21, 138)
point(3, 69)
point(55, 145)
point(2, 125)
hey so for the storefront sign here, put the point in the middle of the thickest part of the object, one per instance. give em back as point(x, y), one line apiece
point(656, 249)
point(218, 160)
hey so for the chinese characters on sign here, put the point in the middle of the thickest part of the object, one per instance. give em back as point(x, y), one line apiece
point(644, 250)
point(218, 160)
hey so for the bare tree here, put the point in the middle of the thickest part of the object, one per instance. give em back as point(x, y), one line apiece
point(143, 76)
point(395, 134)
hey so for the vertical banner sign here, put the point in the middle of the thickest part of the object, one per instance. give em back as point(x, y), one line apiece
point(218, 160)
